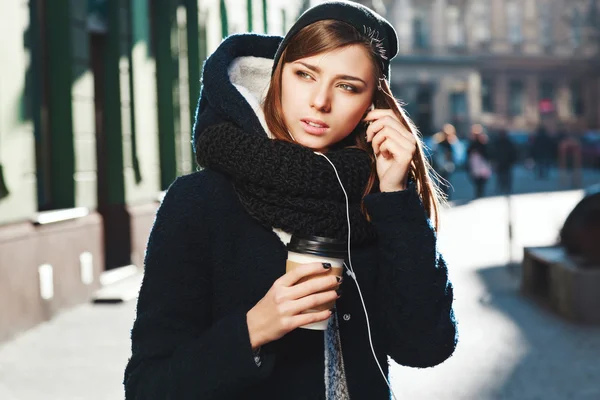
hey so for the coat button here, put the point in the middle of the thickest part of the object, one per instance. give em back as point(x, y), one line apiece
point(346, 317)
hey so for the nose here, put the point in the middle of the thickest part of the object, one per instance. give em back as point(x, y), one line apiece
point(321, 99)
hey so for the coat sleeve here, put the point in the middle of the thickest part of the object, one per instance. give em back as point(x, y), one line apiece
point(414, 295)
point(178, 350)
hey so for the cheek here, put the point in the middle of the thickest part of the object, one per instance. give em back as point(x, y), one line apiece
point(289, 96)
point(351, 117)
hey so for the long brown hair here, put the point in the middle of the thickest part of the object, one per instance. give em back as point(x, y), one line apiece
point(328, 35)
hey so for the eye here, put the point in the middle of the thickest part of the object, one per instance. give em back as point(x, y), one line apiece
point(303, 75)
point(348, 88)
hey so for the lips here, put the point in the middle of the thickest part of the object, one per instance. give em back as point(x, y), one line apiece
point(314, 126)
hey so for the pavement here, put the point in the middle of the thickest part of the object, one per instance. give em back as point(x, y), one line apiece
point(524, 182)
point(510, 346)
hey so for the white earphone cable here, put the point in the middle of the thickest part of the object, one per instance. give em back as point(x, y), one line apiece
point(351, 273)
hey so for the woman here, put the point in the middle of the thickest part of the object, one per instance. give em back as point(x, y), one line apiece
point(478, 158)
point(217, 314)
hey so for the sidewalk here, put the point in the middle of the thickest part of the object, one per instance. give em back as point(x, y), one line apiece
point(523, 182)
point(510, 348)
point(79, 355)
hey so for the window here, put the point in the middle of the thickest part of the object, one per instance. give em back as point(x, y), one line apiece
point(545, 19)
point(458, 110)
point(546, 90)
point(420, 29)
point(546, 97)
point(456, 33)
point(515, 98)
point(577, 103)
point(481, 21)
point(515, 23)
point(576, 28)
point(424, 100)
point(407, 93)
point(487, 95)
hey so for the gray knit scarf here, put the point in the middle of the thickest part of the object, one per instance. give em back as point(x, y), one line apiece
point(336, 386)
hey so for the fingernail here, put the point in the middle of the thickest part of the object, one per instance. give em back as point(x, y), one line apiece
point(326, 265)
point(339, 291)
point(339, 278)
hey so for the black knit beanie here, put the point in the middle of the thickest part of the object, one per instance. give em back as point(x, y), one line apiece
point(365, 20)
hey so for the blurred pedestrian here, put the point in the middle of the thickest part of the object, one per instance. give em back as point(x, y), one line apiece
point(505, 157)
point(478, 160)
point(542, 150)
point(443, 156)
point(218, 313)
point(570, 159)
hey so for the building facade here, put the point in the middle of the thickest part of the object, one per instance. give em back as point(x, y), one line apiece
point(511, 64)
point(97, 100)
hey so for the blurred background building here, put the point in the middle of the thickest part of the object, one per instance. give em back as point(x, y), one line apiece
point(504, 63)
point(97, 100)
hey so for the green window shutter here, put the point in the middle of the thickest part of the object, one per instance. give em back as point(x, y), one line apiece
point(62, 160)
point(265, 19)
point(165, 76)
point(194, 60)
point(283, 22)
point(249, 14)
point(112, 109)
point(224, 23)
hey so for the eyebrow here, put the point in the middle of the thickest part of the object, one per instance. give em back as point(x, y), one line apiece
point(346, 77)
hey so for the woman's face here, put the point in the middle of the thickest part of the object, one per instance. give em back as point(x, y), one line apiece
point(325, 96)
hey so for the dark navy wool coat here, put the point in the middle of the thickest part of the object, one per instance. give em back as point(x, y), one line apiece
point(208, 262)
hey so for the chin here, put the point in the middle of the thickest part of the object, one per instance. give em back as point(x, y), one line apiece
point(315, 147)
point(314, 143)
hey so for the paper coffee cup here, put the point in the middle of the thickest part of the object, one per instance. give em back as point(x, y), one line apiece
point(315, 249)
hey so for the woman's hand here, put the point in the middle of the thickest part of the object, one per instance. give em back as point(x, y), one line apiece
point(394, 147)
point(280, 310)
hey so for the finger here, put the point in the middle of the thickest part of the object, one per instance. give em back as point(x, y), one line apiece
point(308, 303)
point(393, 127)
point(384, 150)
point(404, 138)
point(311, 286)
point(391, 148)
point(381, 137)
point(408, 135)
point(379, 113)
point(309, 318)
point(379, 124)
point(394, 120)
point(373, 129)
point(378, 140)
point(302, 271)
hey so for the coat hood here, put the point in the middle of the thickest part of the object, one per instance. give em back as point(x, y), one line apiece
point(235, 79)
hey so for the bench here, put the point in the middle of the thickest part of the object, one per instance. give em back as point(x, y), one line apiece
point(560, 281)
